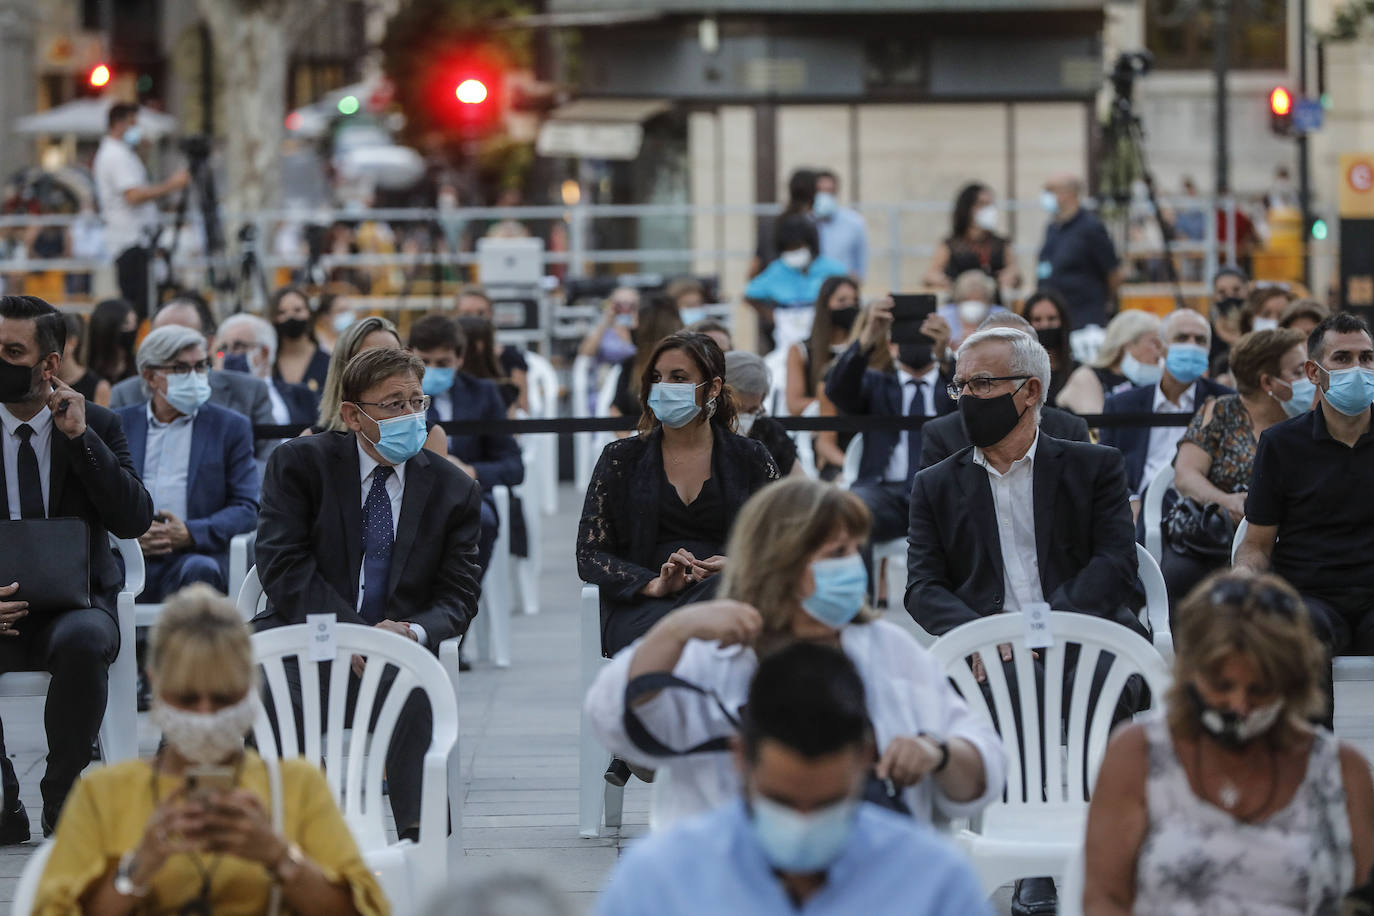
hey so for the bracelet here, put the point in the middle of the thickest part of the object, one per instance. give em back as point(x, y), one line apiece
point(289, 865)
point(123, 878)
point(944, 751)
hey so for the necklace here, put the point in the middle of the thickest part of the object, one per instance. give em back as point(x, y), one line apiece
point(1229, 793)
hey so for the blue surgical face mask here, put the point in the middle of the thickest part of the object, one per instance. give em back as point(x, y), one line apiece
point(188, 393)
point(132, 135)
point(824, 205)
point(674, 403)
point(1300, 398)
point(798, 843)
point(437, 380)
point(692, 314)
point(1139, 373)
point(841, 587)
point(1186, 362)
point(343, 321)
point(399, 438)
point(1350, 390)
point(1049, 203)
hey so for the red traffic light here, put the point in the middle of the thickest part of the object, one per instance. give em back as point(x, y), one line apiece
point(99, 76)
point(471, 92)
point(1280, 101)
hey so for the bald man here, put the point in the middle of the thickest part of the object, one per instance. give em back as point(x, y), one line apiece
point(1078, 258)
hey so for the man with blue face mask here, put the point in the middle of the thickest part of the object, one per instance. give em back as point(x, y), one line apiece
point(1181, 389)
point(843, 232)
point(1310, 516)
point(195, 458)
point(801, 839)
point(367, 525)
point(127, 202)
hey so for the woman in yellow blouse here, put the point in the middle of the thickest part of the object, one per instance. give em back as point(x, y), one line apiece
point(139, 837)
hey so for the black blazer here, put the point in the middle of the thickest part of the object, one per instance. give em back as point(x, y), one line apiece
point(945, 436)
point(310, 543)
point(858, 390)
point(1134, 441)
point(302, 404)
point(494, 456)
point(619, 527)
point(93, 478)
point(1083, 537)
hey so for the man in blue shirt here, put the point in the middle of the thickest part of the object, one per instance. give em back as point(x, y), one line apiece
point(801, 840)
point(1078, 259)
point(844, 234)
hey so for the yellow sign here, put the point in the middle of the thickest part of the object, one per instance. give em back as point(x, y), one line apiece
point(1357, 185)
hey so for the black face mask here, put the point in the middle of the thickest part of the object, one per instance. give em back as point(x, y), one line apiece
point(292, 328)
point(844, 318)
point(1051, 338)
point(987, 421)
point(914, 355)
point(127, 339)
point(1225, 307)
point(236, 362)
point(16, 382)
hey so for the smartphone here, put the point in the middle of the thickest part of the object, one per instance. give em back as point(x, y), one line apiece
point(909, 311)
point(205, 782)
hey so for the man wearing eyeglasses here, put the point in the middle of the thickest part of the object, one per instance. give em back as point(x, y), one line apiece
point(1019, 520)
point(196, 460)
point(369, 526)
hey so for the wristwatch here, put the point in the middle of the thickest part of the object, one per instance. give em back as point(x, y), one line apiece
point(289, 865)
point(943, 745)
point(123, 879)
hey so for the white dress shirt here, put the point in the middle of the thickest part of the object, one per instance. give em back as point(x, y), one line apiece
point(117, 169)
point(281, 414)
point(900, 461)
point(395, 489)
point(1164, 439)
point(443, 406)
point(41, 440)
point(167, 462)
point(1013, 499)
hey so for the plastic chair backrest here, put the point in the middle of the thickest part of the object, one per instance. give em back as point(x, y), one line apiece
point(581, 377)
point(26, 891)
point(251, 599)
point(134, 570)
point(1096, 638)
point(1241, 528)
point(355, 773)
point(543, 386)
point(1153, 510)
point(605, 395)
point(777, 390)
point(1156, 593)
point(853, 456)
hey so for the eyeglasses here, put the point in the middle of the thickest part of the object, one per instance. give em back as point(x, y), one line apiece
point(415, 405)
point(1266, 597)
point(238, 347)
point(200, 368)
point(980, 387)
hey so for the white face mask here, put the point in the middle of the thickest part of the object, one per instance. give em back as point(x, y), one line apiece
point(1265, 324)
point(746, 421)
point(986, 218)
point(797, 259)
point(972, 312)
point(201, 737)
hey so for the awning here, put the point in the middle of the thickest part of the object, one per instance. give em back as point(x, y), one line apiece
point(598, 128)
point(89, 117)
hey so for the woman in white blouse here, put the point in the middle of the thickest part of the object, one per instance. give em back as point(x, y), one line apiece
point(795, 573)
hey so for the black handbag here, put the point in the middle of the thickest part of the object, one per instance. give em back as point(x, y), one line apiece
point(50, 558)
point(1203, 532)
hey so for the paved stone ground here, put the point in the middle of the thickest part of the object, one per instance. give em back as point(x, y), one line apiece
point(519, 732)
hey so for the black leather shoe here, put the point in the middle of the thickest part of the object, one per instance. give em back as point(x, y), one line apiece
point(1035, 897)
point(145, 694)
point(49, 820)
point(464, 665)
point(14, 826)
point(618, 773)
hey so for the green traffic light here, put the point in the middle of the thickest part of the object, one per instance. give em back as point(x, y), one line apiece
point(348, 105)
point(1319, 230)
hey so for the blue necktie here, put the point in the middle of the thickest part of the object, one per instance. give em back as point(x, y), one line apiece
point(378, 537)
point(913, 436)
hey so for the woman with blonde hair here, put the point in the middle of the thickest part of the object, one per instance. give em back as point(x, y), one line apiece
point(190, 830)
point(1231, 801)
point(794, 574)
point(1131, 355)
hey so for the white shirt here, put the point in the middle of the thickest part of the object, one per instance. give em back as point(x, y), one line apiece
point(117, 168)
point(167, 462)
point(1164, 439)
point(1013, 499)
point(907, 690)
point(395, 489)
point(443, 406)
point(900, 461)
point(281, 414)
point(41, 440)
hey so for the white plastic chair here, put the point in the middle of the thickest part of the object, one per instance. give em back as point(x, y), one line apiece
point(1071, 890)
point(806, 442)
point(525, 570)
point(1153, 510)
point(595, 796)
point(894, 551)
point(411, 874)
point(26, 891)
point(240, 559)
point(491, 628)
point(119, 727)
point(581, 378)
point(1156, 602)
point(1241, 527)
point(1027, 835)
point(777, 393)
point(543, 450)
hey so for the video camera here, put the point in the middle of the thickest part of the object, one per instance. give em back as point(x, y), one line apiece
point(1129, 65)
point(195, 147)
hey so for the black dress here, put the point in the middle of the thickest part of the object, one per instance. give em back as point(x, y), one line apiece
point(1112, 382)
point(988, 254)
point(86, 385)
point(626, 399)
point(779, 444)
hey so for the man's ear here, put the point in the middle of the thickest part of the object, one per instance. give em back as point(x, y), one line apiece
point(50, 364)
point(1314, 372)
point(348, 412)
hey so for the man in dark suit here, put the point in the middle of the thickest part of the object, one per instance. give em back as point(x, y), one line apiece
point(916, 388)
point(367, 526)
point(1019, 520)
point(62, 457)
point(943, 437)
point(491, 459)
point(196, 461)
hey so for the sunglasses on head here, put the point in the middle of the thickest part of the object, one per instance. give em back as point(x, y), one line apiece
point(1267, 597)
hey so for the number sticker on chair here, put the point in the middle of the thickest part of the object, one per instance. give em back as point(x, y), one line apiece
point(1038, 632)
point(323, 644)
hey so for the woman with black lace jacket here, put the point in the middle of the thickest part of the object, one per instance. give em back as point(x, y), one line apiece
point(660, 505)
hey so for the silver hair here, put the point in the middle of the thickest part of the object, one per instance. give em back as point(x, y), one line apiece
point(263, 333)
point(973, 284)
point(747, 373)
point(1128, 326)
point(1008, 319)
point(1028, 357)
point(1166, 329)
point(161, 346)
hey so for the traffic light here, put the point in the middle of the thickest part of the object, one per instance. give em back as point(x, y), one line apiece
point(471, 92)
point(1281, 111)
point(99, 77)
